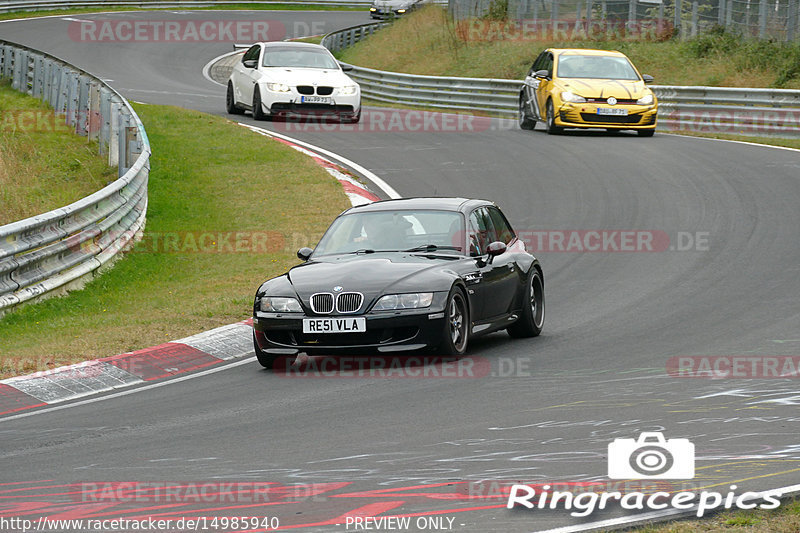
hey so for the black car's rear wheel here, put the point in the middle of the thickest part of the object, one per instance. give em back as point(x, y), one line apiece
point(230, 102)
point(525, 121)
point(531, 321)
point(456, 331)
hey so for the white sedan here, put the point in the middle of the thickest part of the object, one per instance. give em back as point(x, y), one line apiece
point(279, 79)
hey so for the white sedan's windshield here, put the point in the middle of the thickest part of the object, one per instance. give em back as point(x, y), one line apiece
point(596, 67)
point(289, 57)
point(394, 231)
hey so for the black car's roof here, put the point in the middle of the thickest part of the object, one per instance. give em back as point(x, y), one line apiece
point(445, 204)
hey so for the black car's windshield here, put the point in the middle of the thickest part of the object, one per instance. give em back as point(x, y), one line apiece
point(596, 67)
point(395, 231)
point(298, 58)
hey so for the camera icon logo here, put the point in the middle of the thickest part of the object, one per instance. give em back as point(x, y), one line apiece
point(651, 457)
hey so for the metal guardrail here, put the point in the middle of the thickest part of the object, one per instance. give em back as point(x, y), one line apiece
point(55, 250)
point(30, 5)
point(740, 111)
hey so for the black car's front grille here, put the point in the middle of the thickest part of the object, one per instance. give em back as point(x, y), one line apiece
point(324, 91)
point(349, 302)
point(322, 303)
point(370, 337)
point(611, 119)
point(305, 89)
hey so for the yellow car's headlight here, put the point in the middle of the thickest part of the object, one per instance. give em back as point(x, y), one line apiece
point(569, 96)
point(278, 87)
point(646, 99)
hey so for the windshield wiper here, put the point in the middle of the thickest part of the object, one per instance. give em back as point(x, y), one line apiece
point(363, 251)
point(432, 248)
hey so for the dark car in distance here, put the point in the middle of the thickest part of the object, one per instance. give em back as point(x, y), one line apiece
point(402, 275)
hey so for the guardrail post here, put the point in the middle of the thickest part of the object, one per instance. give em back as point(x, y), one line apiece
point(631, 13)
point(105, 119)
point(677, 22)
point(16, 77)
point(36, 90)
point(94, 119)
point(721, 12)
point(113, 135)
point(82, 111)
point(71, 99)
point(729, 14)
point(694, 18)
point(791, 22)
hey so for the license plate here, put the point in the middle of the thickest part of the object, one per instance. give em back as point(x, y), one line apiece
point(335, 325)
point(315, 99)
point(616, 111)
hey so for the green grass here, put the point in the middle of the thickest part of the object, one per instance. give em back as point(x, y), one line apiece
point(784, 519)
point(208, 175)
point(43, 164)
point(433, 44)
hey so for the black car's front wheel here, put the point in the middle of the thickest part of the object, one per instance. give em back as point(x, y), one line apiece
point(531, 321)
point(265, 359)
point(456, 331)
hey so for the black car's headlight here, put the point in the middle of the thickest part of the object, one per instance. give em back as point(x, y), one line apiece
point(279, 304)
point(415, 300)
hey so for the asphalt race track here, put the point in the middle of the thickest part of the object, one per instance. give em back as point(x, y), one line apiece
point(541, 410)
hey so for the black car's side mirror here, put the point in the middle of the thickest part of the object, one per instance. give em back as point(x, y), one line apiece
point(647, 78)
point(544, 73)
point(494, 249)
point(304, 253)
point(250, 63)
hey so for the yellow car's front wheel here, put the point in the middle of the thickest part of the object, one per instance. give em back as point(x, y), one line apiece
point(552, 129)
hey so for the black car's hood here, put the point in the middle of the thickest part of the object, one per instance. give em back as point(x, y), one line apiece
point(372, 274)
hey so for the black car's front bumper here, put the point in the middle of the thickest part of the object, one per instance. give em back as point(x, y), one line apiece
point(386, 332)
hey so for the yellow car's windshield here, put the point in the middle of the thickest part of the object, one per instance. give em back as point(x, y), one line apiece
point(596, 67)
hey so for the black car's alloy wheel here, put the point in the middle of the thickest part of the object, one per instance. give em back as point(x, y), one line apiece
point(258, 111)
point(230, 103)
point(456, 331)
point(525, 122)
point(552, 129)
point(531, 321)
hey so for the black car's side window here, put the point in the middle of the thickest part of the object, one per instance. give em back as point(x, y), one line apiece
point(481, 231)
point(501, 226)
point(252, 53)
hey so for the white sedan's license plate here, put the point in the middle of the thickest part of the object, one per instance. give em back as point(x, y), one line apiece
point(616, 111)
point(315, 99)
point(335, 325)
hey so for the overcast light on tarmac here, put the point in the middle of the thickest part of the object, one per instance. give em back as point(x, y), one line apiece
point(547, 408)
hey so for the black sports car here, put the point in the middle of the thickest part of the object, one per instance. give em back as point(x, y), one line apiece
point(401, 275)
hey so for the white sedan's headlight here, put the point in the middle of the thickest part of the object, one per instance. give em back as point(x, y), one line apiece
point(278, 87)
point(348, 90)
point(646, 99)
point(569, 96)
point(277, 304)
point(415, 300)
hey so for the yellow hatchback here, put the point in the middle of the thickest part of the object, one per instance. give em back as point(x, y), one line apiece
point(598, 89)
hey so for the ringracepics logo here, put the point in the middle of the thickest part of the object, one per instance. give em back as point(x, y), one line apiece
point(176, 31)
point(650, 456)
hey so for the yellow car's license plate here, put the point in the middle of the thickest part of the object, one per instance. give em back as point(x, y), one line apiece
point(614, 111)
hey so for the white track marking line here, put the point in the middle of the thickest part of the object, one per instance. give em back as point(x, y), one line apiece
point(131, 391)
